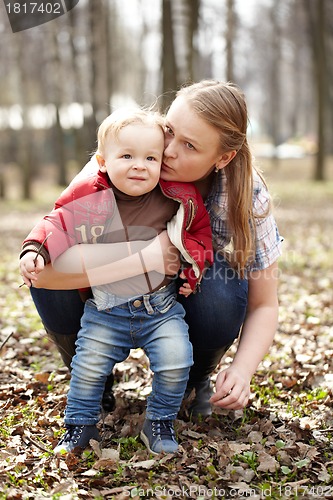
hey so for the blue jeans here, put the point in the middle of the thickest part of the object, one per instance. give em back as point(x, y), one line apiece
point(214, 315)
point(154, 322)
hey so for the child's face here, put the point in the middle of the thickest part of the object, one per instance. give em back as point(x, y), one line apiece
point(133, 159)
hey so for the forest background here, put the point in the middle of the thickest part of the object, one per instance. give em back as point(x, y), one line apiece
point(60, 79)
point(57, 82)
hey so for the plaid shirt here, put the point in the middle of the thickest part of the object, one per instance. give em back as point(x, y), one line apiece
point(268, 239)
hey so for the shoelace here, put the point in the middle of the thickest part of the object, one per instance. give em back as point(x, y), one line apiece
point(163, 428)
point(73, 433)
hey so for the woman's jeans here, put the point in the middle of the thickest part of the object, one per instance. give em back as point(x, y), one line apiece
point(155, 322)
point(214, 315)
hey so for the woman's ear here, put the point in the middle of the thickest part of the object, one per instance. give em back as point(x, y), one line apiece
point(101, 163)
point(225, 159)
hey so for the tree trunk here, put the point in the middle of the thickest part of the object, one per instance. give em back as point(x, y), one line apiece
point(329, 62)
point(80, 136)
point(275, 84)
point(321, 90)
point(25, 143)
point(230, 36)
point(99, 61)
point(169, 67)
point(55, 86)
point(316, 19)
point(192, 8)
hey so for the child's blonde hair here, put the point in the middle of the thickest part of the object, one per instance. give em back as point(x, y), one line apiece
point(122, 117)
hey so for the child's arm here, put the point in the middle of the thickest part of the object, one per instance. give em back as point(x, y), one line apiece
point(158, 255)
point(33, 259)
point(31, 264)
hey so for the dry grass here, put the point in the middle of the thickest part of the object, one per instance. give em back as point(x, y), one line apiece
point(279, 447)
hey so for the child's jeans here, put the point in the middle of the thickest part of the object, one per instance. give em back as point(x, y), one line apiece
point(155, 322)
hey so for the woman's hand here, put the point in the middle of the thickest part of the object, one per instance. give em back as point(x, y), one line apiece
point(232, 389)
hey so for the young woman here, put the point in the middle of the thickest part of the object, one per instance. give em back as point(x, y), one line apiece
point(205, 143)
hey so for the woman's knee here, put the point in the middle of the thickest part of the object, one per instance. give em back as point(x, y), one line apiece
point(59, 310)
point(216, 314)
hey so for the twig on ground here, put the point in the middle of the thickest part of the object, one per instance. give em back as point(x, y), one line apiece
point(35, 443)
point(6, 340)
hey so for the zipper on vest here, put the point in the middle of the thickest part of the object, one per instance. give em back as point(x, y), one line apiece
point(191, 215)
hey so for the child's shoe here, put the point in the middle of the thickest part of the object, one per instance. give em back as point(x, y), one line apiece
point(76, 436)
point(159, 436)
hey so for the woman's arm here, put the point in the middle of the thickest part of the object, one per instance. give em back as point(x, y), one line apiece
point(233, 384)
point(86, 265)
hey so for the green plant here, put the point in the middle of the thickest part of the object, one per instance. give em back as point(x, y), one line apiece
point(89, 458)
point(248, 457)
point(317, 394)
point(267, 391)
point(128, 447)
point(7, 424)
point(14, 477)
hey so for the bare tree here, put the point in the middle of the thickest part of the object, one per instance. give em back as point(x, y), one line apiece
point(100, 94)
point(53, 79)
point(329, 61)
point(230, 39)
point(25, 142)
point(275, 80)
point(191, 21)
point(169, 66)
point(317, 30)
point(80, 94)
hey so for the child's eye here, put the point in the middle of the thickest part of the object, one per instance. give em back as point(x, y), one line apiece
point(127, 156)
point(151, 158)
point(189, 145)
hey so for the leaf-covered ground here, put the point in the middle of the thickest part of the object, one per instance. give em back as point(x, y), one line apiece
point(281, 446)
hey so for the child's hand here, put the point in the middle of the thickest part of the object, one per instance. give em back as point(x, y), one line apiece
point(30, 266)
point(185, 289)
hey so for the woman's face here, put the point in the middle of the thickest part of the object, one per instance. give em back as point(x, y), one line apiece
point(191, 145)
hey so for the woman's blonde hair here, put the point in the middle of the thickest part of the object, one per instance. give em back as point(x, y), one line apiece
point(223, 106)
point(122, 117)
